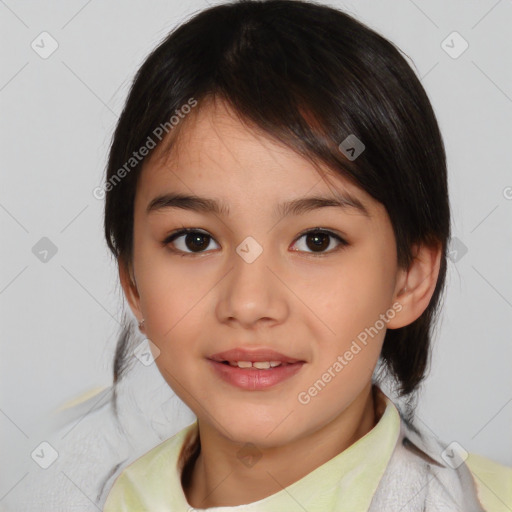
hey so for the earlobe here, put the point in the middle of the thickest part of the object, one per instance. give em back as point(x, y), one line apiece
point(417, 285)
point(129, 288)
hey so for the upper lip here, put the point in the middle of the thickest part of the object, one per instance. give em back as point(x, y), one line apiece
point(255, 355)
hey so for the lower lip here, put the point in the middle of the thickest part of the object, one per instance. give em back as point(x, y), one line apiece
point(253, 379)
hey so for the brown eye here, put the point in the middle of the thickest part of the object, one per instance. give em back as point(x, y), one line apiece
point(189, 241)
point(317, 241)
point(197, 241)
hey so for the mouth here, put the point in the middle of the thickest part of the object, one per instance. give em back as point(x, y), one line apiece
point(257, 365)
point(256, 369)
point(255, 375)
point(261, 358)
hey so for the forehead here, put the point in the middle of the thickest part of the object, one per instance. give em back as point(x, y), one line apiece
point(217, 153)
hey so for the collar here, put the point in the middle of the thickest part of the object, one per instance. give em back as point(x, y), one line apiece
point(421, 442)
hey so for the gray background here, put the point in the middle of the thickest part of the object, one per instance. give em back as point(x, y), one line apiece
point(60, 317)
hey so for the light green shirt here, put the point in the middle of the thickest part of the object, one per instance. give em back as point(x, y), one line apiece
point(345, 483)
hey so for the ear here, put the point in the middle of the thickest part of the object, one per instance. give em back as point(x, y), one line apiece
point(129, 286)
point(416, 285)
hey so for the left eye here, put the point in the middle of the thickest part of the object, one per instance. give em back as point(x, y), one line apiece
point(319, 240)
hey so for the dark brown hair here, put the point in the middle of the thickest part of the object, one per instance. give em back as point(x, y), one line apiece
point(309, 76)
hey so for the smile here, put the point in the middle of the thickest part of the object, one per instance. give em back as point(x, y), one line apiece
point(260, 365)
point(255, 376)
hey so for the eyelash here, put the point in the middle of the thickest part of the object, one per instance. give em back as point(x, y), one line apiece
point(184, 231)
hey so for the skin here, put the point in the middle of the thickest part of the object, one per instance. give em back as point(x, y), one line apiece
point(308, 305)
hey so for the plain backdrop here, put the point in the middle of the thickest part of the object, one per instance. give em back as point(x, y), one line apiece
point(59, 317)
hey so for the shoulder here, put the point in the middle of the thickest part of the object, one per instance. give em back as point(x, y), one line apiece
point(493, 481)
point(80, 449)
point(140, 479)
point(153, 460)
point(489, 482)
point(154, 479)
point(425, 474)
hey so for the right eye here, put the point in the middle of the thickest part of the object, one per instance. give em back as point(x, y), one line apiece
point(188, 241)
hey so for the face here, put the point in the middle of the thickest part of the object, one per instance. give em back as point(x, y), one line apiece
point(305, 282)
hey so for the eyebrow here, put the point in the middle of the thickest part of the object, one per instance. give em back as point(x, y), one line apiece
point(293, 207)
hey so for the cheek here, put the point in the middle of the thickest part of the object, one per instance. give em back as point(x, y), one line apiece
point(347, 300)
point(171, 298)
point(350, 294)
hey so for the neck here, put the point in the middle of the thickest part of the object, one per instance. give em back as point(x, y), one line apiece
point(216, 478)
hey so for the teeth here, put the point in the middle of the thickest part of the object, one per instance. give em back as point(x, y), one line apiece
point(260, 365)
point(265, 365)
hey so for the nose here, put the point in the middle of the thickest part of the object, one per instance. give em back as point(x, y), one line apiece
point(252, 293)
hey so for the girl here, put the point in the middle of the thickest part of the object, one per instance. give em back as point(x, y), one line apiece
point(276, 200)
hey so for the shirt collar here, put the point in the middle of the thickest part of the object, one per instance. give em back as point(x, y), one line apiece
point(422, 444)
